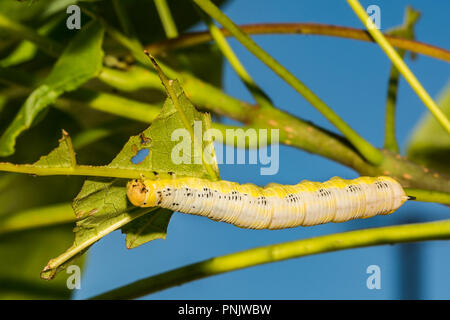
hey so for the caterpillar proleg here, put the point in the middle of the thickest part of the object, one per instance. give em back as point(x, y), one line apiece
point(275, 206)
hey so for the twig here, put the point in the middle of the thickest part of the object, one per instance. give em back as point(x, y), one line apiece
point(279, 252)
point(400, 65)
point(299, 28)
point(368, 151)
point(166, 18)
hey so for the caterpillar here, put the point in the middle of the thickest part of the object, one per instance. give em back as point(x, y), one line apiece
point(274, 206)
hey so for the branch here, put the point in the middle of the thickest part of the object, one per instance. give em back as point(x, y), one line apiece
point(400, 65)
point(167, 21)
point(258, 94)
point(306, 136)
point(369, 152)
point(37, 217)
point(341, 241)
point(195, 38)
point(77, 170)
point(407, 31)
point(429, 196)
point(101, 101)
point(202, 94)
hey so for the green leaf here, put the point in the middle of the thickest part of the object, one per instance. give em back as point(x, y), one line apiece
point(429, 144)
point(80, 61)
point(102, 206)
point(61, 157)
point(147, 228)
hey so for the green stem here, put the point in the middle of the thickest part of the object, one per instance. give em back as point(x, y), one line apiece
point(369, 152)
point(37, 217)
point(439, 230)
point(407, 31)
point(101, 101)
point(429, 195)
point(305, 135)
point(113, 104)
point(390, 141)
point(77, 170)
point(258, 94)
point(167, 21)
point(51, 268)
point(400, 65)
point(202, 94)
point(195, 38)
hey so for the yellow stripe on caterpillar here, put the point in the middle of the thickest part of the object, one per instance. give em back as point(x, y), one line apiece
point(275, 206)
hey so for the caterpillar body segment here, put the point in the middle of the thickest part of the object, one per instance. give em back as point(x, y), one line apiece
point(274, 206)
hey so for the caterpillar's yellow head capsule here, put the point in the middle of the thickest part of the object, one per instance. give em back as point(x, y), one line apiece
point(139, 194)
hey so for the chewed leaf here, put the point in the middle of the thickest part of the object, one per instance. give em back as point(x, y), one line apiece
point(429, 145)
point(147, 228)
point(102, 206)
point(80, 61)
point(61, 157)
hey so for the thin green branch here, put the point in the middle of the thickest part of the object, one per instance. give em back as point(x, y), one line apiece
point(258, 94)
point(439, 230)
point(407, 31)
point(195, 38)
point(400, 65)
point(101, 101)
point(37, 218)
point(390, 140)
point(372, 154)
point(78, 170)
point(204, 95)
point(429, 196)
point(167, 21)
point(75, 250)
point(113, 104)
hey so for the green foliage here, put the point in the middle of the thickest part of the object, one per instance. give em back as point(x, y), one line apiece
point(102, 207)
point(80, 61)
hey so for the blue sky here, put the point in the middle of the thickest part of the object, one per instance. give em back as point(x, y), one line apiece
point(351, 76)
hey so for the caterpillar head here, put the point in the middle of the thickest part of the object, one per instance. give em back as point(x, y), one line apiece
point(139, 194)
